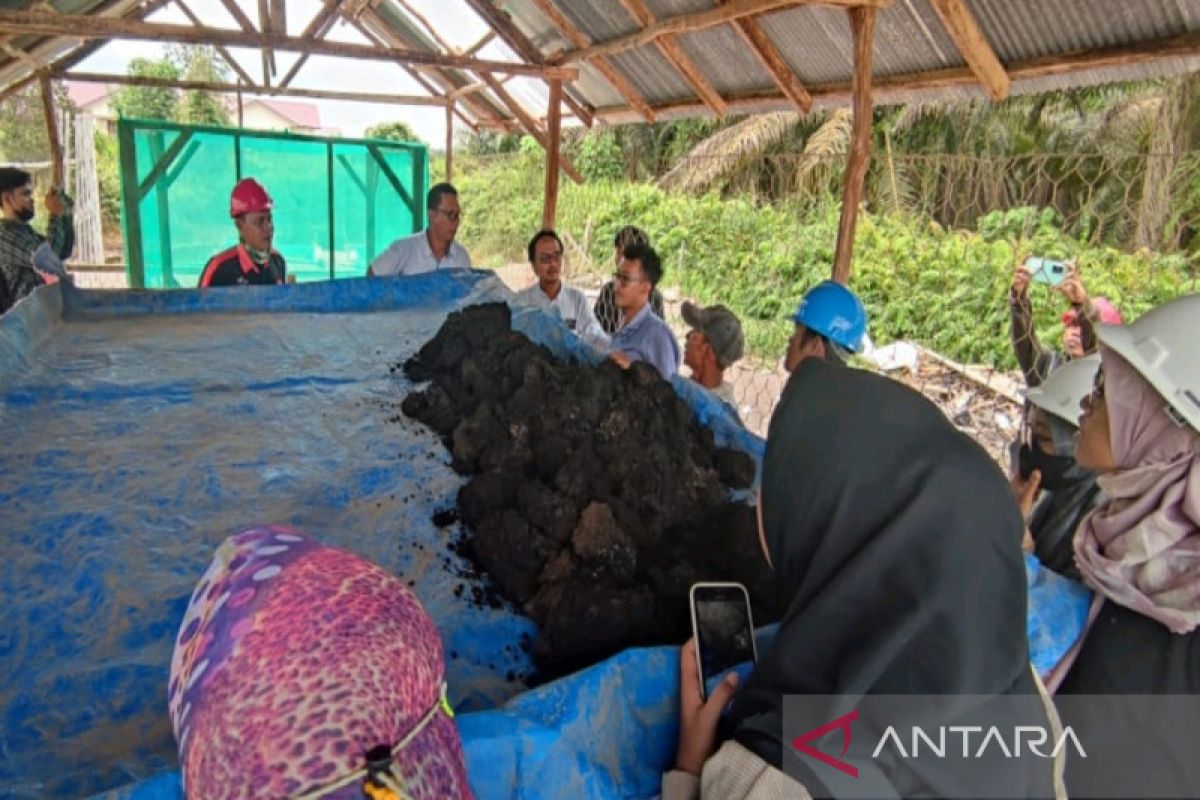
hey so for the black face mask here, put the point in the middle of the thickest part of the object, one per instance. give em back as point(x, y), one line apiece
point(1054, 469)
point(25, 214)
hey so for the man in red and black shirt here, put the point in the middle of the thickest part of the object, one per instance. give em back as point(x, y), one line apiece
point(252, 261)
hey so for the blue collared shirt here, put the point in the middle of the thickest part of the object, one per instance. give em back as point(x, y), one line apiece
point(647, 338)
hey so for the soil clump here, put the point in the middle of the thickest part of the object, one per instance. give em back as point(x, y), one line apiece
point(595, 500)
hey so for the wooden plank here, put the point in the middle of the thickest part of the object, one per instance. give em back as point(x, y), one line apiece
point(862, 25)
point(221, 51)
point(261, 91)
point(50, 118)
point(553, 142)
point(602, 65)
point(669, 46)
point(697, 21)
point(774, 63)
point(238, 15)
point(530, 124)
point(88, 27)
point(421, 19)
point(268, 55)
point(964, 31)
point(449, 143)
point(483, 42)
point(502, 24)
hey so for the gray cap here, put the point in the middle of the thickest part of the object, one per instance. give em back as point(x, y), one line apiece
point(720, 327)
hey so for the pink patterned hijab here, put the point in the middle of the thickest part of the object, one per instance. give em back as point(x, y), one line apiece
point(1142, 548)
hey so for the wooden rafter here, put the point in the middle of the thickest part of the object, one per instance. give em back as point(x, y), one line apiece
point(698, 21)
point(268, 53)
point(1140, 53)
point(498, 21)
point(483, 42)
point(90, 27)
point(238, 15)
point(52, 137)
point(317, 28)
point(773, 62)
point(964, 31)
point(602, 65)
point(264, 91)
point(669, 46)
point(226, 56)
point(424, 22)
point(531, 126)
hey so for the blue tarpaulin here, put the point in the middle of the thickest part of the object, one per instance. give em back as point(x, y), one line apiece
point(139, 429)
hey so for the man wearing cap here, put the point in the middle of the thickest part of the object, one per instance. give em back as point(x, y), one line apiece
point(831, 323)
point(28, 259)
point(1079, 324)
point(552, 294)
point(252, 261)
point(714, 342)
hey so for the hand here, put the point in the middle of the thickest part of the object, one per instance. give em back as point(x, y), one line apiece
point(1027, 491)
point(1072, 286)
point(1021, 278)
point(621, 360)
point(698, 719)
point(54, 203)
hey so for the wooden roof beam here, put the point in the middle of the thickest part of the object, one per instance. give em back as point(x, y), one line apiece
point(530, 124)
point(483, 42)
point(698, 21)
point(500, 22)
point(669, 46)
point(225, 55)
point(602, 65)
point(964, 30)
point(774, 63)
point(90, 27)
point(262, 91)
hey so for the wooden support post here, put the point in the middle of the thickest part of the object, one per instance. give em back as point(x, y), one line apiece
point(553, 142)
point(862, 25)
point(56, 151)
point(450, 142)
point(241, 109)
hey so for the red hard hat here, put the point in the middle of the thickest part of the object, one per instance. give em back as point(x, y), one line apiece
point(249, 197)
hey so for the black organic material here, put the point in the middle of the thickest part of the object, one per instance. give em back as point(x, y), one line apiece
point(595, 499)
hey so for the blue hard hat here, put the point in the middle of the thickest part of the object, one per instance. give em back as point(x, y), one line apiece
point(836, 313)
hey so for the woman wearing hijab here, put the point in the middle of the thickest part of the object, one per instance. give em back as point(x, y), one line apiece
point(895, 542)
point(1140, 550)
point(1046, 463)
point(304, 671)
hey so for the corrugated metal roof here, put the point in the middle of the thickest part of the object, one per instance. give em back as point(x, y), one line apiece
point(814, 40)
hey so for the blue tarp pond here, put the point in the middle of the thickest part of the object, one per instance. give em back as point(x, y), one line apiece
point(139, 429)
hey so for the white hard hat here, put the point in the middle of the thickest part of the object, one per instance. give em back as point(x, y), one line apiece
point(1163, 345)
point(1063, 389)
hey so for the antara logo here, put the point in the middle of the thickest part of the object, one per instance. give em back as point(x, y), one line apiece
point(1024, 738)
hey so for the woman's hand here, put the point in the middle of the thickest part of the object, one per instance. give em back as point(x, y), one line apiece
point(697, 718)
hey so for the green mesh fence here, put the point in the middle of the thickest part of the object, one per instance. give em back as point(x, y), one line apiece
point(338, 202)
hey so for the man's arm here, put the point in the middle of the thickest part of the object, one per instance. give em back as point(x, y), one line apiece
point(62, 224)
point(1030, 354)
point(1085, 311)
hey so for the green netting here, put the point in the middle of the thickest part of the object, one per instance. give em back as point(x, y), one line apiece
point(338, 202)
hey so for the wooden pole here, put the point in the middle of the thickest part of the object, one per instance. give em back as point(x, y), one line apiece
point(56, 151)
point(449, 142)
point(553, 142)
point(862, 25)
point(241, 109)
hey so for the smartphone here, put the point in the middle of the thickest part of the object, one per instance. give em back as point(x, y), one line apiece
point(723, 631)
point(1046, 270)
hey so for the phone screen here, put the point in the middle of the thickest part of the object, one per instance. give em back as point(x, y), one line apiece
point(723, 629)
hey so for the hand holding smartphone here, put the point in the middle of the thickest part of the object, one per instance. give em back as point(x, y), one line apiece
point(723, 631)
point(1047, 271)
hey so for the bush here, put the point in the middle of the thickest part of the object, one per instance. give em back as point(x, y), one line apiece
point(947, 290)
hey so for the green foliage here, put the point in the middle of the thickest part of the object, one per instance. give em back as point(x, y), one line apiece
point(600, 156)
point(108, 175)
point(23, 127)
point(144, 102)
point(201, 63)
point(398, 131)
point(945, 289)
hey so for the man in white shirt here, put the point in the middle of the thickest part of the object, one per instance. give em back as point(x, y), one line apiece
point(431, 249)
point(546, 257)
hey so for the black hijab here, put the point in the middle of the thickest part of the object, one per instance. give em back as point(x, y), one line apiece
point(895, 540)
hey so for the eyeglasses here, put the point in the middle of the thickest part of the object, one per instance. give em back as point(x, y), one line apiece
point(449, 213)
point(625, 279)
point(549, 258)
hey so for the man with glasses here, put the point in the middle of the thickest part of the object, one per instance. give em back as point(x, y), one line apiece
point(431, 249)
point(550, 293)
point(643, 336)
point(252, 261)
